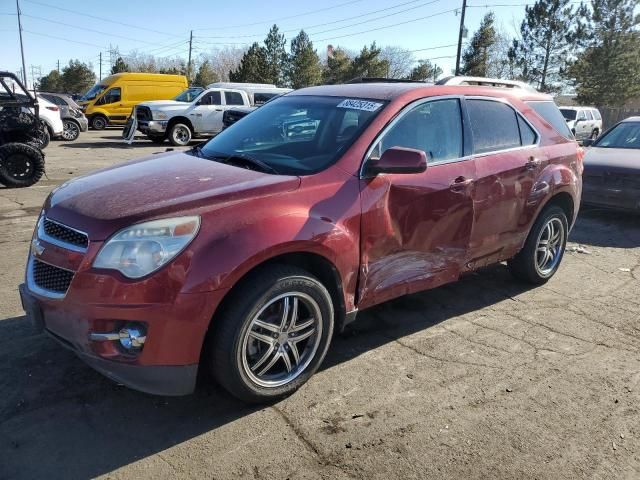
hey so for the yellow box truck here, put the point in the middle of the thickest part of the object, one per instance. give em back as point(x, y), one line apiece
point(111, 100)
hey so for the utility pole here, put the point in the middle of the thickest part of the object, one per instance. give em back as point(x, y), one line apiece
point(464, 9)
point(100, 76)
point(58, 66)
point(189, 64)
point(24, 68)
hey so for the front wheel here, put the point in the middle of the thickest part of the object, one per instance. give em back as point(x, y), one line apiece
point(273, 335)
point(21, 165)
point(542, 253)
point(99, 122)
point(71, 130)
point(180, 135)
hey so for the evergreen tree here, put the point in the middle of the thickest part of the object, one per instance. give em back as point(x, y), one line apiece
point(253, 66)
point(205, 75)
point(425, 71)
point(607, 72)
point(77, 77)
point(51, 82)
point(120, 66)
point(338, 69)
point(304, 64)
point(369, 63)
point(547, 36)
point(276, 57)
point(475, 59)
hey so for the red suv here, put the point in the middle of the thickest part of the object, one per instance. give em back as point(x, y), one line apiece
point(244, 255)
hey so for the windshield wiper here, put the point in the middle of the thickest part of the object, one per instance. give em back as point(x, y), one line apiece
point(252, 161)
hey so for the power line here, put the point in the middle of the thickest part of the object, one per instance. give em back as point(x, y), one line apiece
point(309, 27)
point(386, 26)
point(432, 48)
point(137, 27)
point(65, 39)
point(87, 29)
point(281, 18)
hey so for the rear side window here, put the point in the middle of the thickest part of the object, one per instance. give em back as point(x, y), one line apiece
point(589, 116)
point(549, 111)
point(527, 135)
point(494, 126)
point(596, 114)
point(233, 98)
point(260, 98)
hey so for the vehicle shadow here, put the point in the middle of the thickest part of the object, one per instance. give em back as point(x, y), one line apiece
point(601, 227)
point(58, 415)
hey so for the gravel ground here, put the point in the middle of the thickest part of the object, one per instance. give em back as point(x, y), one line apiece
point(485, 378)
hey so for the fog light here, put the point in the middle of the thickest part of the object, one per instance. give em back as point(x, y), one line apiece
point(132, 337)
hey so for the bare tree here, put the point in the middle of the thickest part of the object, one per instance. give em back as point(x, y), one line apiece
point(224, 60)
point(400, 61)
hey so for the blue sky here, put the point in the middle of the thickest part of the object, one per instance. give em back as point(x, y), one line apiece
point(162, 26)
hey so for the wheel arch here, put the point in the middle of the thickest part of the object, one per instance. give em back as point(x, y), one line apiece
point(180, 119)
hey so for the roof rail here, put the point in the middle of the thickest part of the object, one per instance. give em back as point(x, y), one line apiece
point(485, 82)
point(381, 80)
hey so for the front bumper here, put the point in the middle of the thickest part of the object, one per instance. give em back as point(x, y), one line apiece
point(152, 126)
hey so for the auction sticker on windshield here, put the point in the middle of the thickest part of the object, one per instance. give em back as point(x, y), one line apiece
point(360, 105)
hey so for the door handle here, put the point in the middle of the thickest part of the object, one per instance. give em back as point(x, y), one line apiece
point(460, 184)
point(533, 163)
point(218, 109)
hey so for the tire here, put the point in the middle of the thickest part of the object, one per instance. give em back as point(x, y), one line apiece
point(532, 265)
point(244, 365)
point(99, 122)
point(594, 134)
point(71, 130)
point(21, 165)
point(180, 134)
point(158, 139)
point(42, 138)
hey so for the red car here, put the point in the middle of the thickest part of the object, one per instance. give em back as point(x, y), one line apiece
point(243, 256)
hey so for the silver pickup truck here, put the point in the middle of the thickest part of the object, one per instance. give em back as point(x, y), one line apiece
point(198, 112)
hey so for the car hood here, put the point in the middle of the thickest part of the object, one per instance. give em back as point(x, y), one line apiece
point(164, 104)
point(619, 160)
point(173, 183)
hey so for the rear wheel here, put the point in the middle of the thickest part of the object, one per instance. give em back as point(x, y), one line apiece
point(71, 130)
point(594, 134)
point(542, 253)
point(180, 134)
point(99, 122)
point(21, 165)
point(273, 335)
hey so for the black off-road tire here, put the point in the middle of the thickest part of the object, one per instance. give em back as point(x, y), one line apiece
point(524, 265)
point(225, 340)
point(21, 165)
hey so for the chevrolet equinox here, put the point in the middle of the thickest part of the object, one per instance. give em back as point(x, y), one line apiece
point(243, 255)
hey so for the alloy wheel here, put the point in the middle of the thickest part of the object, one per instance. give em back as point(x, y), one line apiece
point(282, 339)
point(549, 246)
point(71, 131)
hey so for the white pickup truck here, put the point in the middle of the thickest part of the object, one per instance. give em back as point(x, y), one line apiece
point(198, 112)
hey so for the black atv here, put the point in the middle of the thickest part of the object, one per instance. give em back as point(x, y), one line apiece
point(22, 134)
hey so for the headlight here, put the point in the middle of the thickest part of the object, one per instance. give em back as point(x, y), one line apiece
point(76, 113)
point(159, 115)
point(138, 250)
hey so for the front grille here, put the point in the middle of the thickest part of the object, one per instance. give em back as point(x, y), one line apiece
point(143, 114)
point(65, 234)
point(51, 278)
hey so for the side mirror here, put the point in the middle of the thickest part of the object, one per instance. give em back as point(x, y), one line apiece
point(398, 160)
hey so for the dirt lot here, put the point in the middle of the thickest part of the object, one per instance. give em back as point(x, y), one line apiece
point(485, 378)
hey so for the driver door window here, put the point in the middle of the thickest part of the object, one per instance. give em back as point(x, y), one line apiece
point(211, 98)
point(112, 96)
point(434, 127)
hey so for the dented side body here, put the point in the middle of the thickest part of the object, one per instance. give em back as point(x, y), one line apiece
point(383, 237)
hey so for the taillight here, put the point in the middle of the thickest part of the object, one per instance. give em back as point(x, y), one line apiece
point(53, 109)
point(580, 157)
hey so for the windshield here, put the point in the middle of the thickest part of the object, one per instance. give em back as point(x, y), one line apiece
point(624, 135)
point(296, 135)
point(189, 95)
point(96, 90)
point(568, 114)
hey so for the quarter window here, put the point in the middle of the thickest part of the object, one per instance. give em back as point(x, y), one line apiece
point(433, 127)
point(527, 135)
point(233, 98)
point(494, 126)
point(549, 112)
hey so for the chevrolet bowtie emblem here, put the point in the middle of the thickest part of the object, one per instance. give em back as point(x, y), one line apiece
point(36, 247)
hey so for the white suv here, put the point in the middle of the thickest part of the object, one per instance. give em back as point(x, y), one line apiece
point(584, 122)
